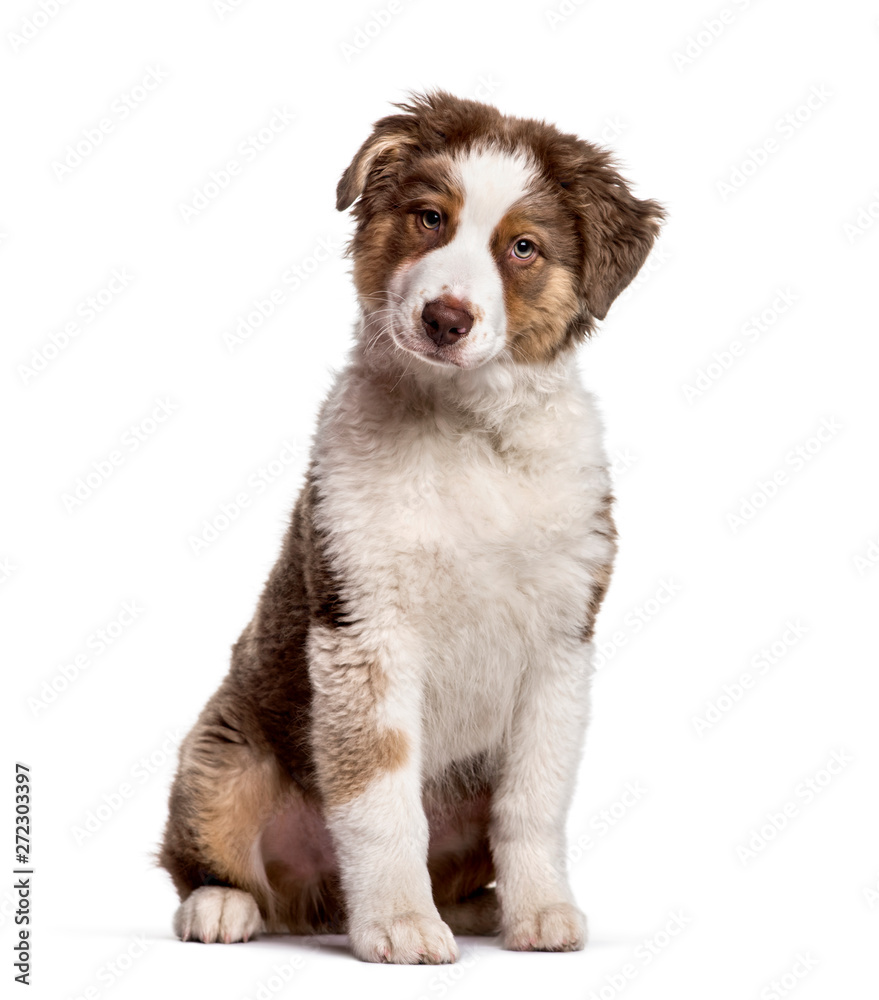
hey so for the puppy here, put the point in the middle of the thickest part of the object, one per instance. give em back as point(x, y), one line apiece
point(393, 751)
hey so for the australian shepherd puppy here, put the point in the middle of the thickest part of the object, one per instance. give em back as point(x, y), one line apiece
point(393, 751)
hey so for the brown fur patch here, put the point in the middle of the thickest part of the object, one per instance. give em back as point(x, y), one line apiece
point(393, 233)
point(538, 315)
point(540, 295)
point(459, 860)
point(604, 526)
point(458, 809)
point(226, 788)
point(350, 759)
point(477, 914)
point(235, 800)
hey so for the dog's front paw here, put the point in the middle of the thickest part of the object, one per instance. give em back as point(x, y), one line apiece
point(404, 939)
point(215, 913)
point(560, 927)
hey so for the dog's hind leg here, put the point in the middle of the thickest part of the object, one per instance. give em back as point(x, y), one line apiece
point(225, 792)
point(459, 857)
point(477, 914)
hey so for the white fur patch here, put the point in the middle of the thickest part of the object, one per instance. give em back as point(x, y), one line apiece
point(216, 913)
point(468, 539)
point(491, 182)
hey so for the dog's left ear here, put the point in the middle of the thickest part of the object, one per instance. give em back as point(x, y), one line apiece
point(386, 147)
point(617, 229)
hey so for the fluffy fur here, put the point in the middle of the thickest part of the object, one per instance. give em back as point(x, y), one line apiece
point(393, 751)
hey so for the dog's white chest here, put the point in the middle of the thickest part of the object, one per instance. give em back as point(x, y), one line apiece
point(479, 551)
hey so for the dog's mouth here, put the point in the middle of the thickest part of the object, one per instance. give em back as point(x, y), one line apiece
point(438, 339)
point(438, 353)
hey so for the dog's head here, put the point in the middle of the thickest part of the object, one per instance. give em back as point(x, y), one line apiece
point(480, 234)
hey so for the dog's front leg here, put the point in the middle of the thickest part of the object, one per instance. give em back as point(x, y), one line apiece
point(530, 805)
point(366, 740)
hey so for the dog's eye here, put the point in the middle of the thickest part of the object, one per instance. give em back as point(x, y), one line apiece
point(431, 219)
point(523, 249)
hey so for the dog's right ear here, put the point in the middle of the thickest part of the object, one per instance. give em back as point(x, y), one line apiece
point(386, 146)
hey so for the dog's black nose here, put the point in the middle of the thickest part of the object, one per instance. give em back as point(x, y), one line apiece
point(445, 323)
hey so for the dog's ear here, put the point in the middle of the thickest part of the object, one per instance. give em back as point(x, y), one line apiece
point(617, 230)
point(386, 146)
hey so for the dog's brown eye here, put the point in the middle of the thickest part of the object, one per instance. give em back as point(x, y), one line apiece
point(431, 219)
point(523, 249)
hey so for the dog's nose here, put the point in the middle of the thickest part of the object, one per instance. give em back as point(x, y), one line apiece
point(445, 323)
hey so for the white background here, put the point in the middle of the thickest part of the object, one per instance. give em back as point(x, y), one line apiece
point(685, 109)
